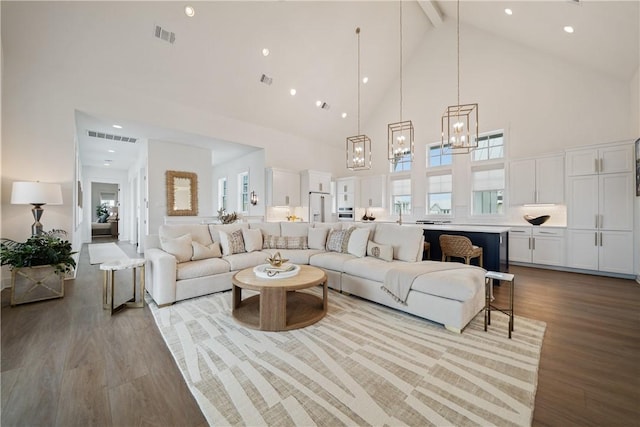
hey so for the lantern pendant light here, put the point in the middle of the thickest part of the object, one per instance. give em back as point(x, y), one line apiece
point(358, 146)
point(459, 122)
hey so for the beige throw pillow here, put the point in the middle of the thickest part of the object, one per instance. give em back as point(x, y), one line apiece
point(338, 240)
point(180, 247)
point(317, 238)
point(201, 251)
point(377, 250)
point(252, 239)
point(231, 243)
point(357, 244)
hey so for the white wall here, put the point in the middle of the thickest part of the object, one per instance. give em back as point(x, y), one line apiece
point(164, 156)
point(254, 163)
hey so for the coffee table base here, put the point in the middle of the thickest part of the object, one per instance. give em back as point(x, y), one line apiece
point(275, 309)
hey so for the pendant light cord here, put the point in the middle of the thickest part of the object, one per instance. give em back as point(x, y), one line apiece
point(458, 34)
point(400, 60)
point(358, 33)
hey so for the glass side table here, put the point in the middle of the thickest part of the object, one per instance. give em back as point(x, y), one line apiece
point(110, 268)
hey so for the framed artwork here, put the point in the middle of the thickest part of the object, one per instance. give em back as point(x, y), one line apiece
point(638, 167)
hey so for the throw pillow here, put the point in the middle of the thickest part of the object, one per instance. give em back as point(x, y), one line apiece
point(317, 238)
point(285, 242)
point(180, 247)
point(201, 251)
point(357, 244)
point(252, 239)
point(231, 243)
point(376, 250)
point(338, 240)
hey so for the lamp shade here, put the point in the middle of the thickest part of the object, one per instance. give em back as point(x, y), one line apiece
point(36, 193)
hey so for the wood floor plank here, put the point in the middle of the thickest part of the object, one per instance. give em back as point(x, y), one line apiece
point(69, 356)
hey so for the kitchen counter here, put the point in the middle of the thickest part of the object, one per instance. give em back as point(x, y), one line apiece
point(470, 228)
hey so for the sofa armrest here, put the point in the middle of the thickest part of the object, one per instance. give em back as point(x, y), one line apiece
point(161, 275)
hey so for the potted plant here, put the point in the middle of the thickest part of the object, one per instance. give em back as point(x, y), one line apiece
point(38, 266)
point(102, 212)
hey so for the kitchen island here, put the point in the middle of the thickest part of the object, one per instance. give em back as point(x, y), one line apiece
point(494, 242)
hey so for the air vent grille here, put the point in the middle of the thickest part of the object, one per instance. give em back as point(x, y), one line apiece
point(164, 34)
point(110, 136)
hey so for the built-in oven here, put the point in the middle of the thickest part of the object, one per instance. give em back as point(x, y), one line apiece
point(345, 214)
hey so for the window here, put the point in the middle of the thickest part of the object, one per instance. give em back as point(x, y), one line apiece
point(401, 195)
point(401, 163)
point(222, 193)
point(439, 189)
point(243, 184)
point(490, 147)
point(488, 190)
point(435, 157)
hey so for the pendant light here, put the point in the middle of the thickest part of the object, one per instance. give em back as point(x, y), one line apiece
point(459, 122)
point(359, 146)
point(400, 134)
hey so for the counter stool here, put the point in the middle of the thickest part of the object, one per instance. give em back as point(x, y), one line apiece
point(488, 288)
point(427, 249)
point(459, 247)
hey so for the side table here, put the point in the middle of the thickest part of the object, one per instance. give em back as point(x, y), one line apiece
point(488, 293)
point(110, 268)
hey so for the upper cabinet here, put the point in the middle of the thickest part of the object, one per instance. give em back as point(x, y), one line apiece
point(347, 192)
point(539, 180)
point(314, 181)
point(283, 187)
point(609, 159)
point(372, 191)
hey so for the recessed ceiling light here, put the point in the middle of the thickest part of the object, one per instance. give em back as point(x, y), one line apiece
point(508, 11)
point(365, 80)
point(265, 52)
point(318, 103)
point(344, 115)
point(189, 11)
point(117, 126)
point(568, 29)
point(111, 151)
point(292, 92)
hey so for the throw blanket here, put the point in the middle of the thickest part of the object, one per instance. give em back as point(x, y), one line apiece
point(398, 280)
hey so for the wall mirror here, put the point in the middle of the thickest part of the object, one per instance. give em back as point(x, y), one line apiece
point(182, 193)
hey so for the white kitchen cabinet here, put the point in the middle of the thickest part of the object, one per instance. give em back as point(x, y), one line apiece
point(539, 180)
point(372, 191)
point(607, 251)
point(283, 187)
point(347, 185)
point(603, 159)
point(346, 200)
point(537, 245)
point(347, 192)
point(600, 207)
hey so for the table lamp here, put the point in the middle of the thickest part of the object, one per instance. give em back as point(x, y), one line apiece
point(36, 194)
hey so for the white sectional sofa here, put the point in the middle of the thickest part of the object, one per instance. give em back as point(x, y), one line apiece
point(362, 259)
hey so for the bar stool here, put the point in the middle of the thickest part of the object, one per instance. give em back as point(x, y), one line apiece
point(459, 247)
point(427, 249)
point(488, 288)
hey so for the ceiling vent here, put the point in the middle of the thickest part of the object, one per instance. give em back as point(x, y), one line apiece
point(111, 137)
point(266, 80)
point(165, 35)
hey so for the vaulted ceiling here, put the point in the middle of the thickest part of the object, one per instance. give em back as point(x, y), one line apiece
point(216, 60)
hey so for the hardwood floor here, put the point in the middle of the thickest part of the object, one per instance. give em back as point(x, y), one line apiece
point(68, 362)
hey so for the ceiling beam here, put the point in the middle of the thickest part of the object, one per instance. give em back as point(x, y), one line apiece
point(432, 11)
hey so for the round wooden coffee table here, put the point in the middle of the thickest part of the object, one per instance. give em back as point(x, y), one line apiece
point(279, 307)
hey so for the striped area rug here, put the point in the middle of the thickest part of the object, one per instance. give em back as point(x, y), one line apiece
point(363, 364)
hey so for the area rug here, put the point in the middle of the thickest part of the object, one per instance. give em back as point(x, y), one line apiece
point(103, 252)
point(362, 364)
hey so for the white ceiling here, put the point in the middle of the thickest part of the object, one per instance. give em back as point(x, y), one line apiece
point(216, 62)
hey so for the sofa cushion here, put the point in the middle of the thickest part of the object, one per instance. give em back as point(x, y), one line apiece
point(330, 260)
point(296, 256)
point(329, 225)
point(368, 268)
point(180, 247)
point(285, 242)
point(201, 268)
point(231, 243)
point(252, 239)
point(406, 240)
point(246, 260)
point(376, 250)
point(199, 232)
point(267, 228)
point(215, 229)
point(459, 285)
point(357, 244)
point(338, 240)
point(294, 228)
point(317, 238)
point(201, 251)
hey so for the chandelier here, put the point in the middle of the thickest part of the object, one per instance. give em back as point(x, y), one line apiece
point(400, 134)
point(359, 146)
point(459, 122)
